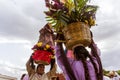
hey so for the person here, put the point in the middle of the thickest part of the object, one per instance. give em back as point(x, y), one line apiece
point(84, 66)
point(39, 72)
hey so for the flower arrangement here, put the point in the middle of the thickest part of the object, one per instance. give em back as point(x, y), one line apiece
point(63, 12)
point(42, 53)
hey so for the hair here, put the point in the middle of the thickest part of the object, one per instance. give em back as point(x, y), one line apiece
point(81, 54)
point(39, 65)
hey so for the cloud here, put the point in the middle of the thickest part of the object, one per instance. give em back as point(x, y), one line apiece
point(7, 68)
point(111, 59)
point(15, 23)
point(6, 40)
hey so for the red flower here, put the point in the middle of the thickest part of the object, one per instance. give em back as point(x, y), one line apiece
point(42, 56)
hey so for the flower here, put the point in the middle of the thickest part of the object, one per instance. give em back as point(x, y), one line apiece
point(61, 13)
point(42, 53)
point(47, 46)
point(41, 56)
point(40, 46)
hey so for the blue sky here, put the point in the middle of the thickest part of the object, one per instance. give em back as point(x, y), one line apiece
point(21, 20)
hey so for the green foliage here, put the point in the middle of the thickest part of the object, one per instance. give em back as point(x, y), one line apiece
point(118, 72)
point(61, 14)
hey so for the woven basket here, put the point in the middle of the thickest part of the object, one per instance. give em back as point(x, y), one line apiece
point(77, 33)
point(41, 62)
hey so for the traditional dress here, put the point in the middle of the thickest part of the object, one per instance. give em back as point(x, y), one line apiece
point(76, 65)
point(36, 76)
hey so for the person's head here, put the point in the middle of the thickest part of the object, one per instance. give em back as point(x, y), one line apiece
point(80, 52)
point(40, 69)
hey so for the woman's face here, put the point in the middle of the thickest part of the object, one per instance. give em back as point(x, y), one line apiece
point(41, 69)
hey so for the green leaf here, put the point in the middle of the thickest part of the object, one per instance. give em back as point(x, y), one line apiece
point(91, 8)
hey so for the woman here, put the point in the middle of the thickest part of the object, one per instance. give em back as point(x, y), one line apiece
point(38, 73)
point(84, 66)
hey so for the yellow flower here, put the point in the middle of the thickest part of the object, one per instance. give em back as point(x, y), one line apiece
point(86, 21)
point(45, 49)
point(47, 46)
point(90, 17)
point(52, 57)
point(39, 44)
point(92, 22)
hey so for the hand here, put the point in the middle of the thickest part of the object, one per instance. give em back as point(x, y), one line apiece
point(31, 59)
point(60, 37)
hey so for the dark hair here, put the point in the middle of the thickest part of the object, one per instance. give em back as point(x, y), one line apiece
point(81, 54)
point(39, 65)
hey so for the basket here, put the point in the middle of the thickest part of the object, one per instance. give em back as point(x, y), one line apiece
point(77, 33)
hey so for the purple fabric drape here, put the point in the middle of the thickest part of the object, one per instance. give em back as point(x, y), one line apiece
point(46, 35)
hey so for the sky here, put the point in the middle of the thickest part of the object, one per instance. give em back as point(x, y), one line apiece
point(21, 20)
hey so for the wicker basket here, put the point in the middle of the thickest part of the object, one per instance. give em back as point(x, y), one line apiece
point(41, 62)
point(77, 33)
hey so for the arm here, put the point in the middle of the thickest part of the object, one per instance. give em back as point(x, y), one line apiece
point(60, 55)
point(52, 72)
point(53, 66)
point(95, 51)
point(62, 60)
point(29, 67)
point(64, 63)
